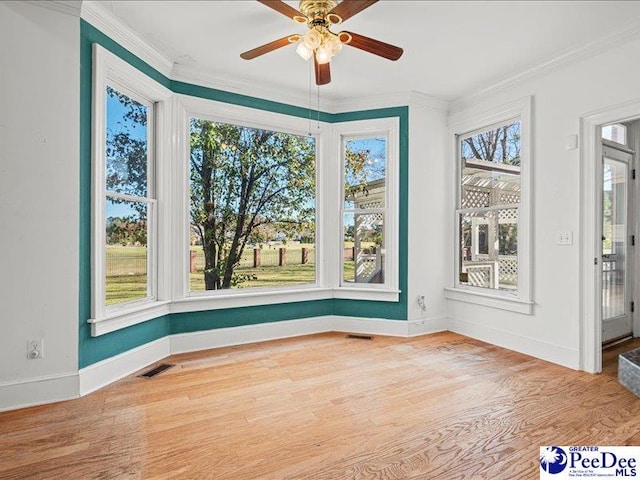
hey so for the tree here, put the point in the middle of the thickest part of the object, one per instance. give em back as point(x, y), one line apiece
point(360, 167)
point(243, 178)
point(126, 231)
point(500, 145)
point(126, 148)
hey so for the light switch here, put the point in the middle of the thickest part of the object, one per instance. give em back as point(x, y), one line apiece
point(571, 142)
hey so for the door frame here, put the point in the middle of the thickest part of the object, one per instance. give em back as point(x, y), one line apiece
point(590, 316)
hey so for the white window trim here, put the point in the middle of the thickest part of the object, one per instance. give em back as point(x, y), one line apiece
point(520, 301)
point(184, 299)
point(388, 127)
point(109, 69)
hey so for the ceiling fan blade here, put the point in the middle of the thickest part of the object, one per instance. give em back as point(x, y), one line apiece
point(323, 72)
point(270, 47)
point(348, 8)
point(286, 10)
point(385, 50)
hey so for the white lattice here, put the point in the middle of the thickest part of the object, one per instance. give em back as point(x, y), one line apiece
point(368, 258)
point(480, 276)
point(370, 205)
point(366, 265)
point(475, 198)
point(509, 198)
point(508, 214)
point(367, 221)
point(508, 270)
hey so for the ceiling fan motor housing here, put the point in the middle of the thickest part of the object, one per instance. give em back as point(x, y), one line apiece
point(316, 12)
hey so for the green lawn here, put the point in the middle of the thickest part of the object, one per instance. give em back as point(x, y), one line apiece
point(130, 284)
point(126, 288)
point(286, 275)
point(132, 287)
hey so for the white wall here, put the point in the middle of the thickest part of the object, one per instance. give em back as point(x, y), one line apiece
point(560, 98)
point(428, 214)
point(39, 135)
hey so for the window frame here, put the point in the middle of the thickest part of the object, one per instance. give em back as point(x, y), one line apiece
point(520, 300)
point(109, 70)
point(184, 299)
point(361, 129)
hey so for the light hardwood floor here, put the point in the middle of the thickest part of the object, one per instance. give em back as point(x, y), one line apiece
point(326, 407)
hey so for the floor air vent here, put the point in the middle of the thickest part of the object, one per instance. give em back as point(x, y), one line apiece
point(360, 337)
point(156, 370)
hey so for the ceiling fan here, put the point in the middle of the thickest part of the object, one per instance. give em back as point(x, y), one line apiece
point(319, 41)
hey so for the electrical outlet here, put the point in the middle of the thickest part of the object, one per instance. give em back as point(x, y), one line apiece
point(34, 348)
point(565, 237)
point(422, 303)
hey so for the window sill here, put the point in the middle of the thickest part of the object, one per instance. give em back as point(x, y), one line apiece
point(148, 311)
point(127, 317)
point(493, 300)
point(238, 299)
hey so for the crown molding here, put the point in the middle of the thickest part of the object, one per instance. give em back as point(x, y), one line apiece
point(109, 24)
point(365, 103)
point(567, 58)
point(187, 74)
point(194, 76)
point(434, 103)
point(68, 7)
point(125, 36)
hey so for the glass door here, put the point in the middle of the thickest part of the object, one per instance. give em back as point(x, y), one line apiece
point(616, 301)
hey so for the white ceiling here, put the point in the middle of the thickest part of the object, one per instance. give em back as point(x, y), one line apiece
point(452, 48)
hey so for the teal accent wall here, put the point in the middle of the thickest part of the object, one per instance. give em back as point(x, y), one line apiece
point(95, 349)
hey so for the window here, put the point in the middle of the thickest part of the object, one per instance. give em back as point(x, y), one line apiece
point(252, 207)
point(368, 209)
point(488, 207)
point(127, 164)
point(364, 206)
point(492, 209)
point(130, 204)
point(616, 132)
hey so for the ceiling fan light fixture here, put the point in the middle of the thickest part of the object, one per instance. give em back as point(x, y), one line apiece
point(312, 40)
point(303, 51)
point(334, 45)
point(323, 54)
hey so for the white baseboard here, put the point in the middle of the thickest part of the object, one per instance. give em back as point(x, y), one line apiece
point(38, 391)
point(107, 371)
point(369, 326)
point(426, 326)
point(42, 390)
point(529, 346)
point(261, 332)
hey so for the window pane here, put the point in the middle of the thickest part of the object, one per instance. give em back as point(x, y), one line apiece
point(126, 251)
point(489, 249)
point(491, 168)
point(127, 144)
point(615, 133)
point(365, 163)
point(252, 207)
point(363, 248)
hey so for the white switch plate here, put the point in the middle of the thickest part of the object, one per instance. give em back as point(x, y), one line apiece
point(571, 142)
point(565, 237)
